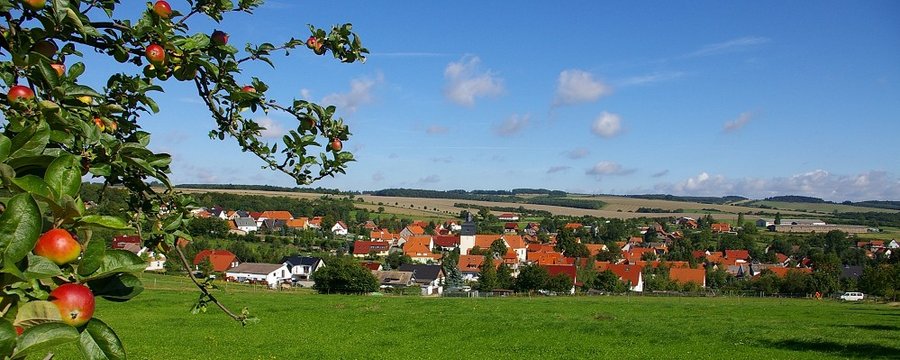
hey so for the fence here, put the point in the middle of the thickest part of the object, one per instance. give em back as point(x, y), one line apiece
point(708, 293)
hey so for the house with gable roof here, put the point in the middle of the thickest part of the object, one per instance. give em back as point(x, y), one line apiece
point(221, 260)
point(270, 274)
point(340, 228)
point(683, 276)
point(302, 267)
point(429, 277)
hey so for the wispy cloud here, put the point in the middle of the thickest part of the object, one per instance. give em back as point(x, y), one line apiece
point(436, 130)
point(577, 153)
point(651, 78)
point(728, 46)
point(430, 179)
point(818, 183)
point(442, 159)
point(466, 81)
point(512, 125)
point(377, 176)
point(608, 168)
point(607, 125)
point(738, 123)
point(577, 86)
point(556, 169)
point(273, 130)
point(360, 94)
point(660, 174)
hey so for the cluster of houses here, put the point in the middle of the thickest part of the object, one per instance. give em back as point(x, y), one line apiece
point(292, 270)
point(242, 222)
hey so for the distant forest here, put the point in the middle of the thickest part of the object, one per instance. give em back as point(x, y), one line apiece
point(878, 204)
point(550, 197)
point(698, 199)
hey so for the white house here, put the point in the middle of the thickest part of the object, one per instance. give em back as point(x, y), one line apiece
point(429, 277)
point(246, 224)
point(339, 228)
point(271, 274)
point(302, 267)
point(893, 245)
point(508, 217)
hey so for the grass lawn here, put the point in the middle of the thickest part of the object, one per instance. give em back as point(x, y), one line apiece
point(157, 325)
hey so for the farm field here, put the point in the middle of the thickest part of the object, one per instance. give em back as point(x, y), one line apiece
point(157, 325)
point(817, 207)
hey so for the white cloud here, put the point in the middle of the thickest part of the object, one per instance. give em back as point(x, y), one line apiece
point(739, 122)
point(466, 81)
point(512, 125)
point(305, 93)
point(556, 169)
point(436, 129)
point(273, 130)
point(870, 185)
point(729, 46)
point(577, 153)
point(577, 86)
point(661, 173)
point(360, 94)
point(430, 179)
point(608, 168)
point(651, 78)
point(607, 125)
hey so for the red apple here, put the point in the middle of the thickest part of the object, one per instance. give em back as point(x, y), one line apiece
point(100, 124)
point(156, 54)
point(58, 245)
point(162, 9)
point(35, 4)
point(19, 92)
point(312, 42)
point(45, 47)
point(75, 303)
point(60, 69)
point(336, 144)
point(19, 330)
point(249, 89)
point(308, 124)
point(219, 38)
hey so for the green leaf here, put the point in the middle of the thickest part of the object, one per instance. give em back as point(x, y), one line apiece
point(122, 287)
point(5, 144)
point(30, 142)
point(7, 337)
point(44, 336)
point(93, 255)
point(40, 267)
point(99, 342)
point(37, 312)
point(103, 221)
point(64, 175)
point(48, 73)
point(34, 185)
point(76, 70)
point(118, 261)
point(20, 226)
point(101, 170)
point(81, 90)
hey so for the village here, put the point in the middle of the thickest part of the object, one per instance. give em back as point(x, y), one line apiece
point(450, 257)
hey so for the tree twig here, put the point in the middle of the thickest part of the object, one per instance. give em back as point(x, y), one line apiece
point(204, 290)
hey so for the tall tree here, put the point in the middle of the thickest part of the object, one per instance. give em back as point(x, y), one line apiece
point(487, 278)
point(504, 277)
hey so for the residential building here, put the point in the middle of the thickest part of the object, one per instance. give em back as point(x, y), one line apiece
point(270, 274)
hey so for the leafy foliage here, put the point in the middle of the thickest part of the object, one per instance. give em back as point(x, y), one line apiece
point(343, 275)
point(58, 130)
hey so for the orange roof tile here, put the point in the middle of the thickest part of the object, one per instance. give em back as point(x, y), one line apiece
point(595, 248)
point(221, 259)
point(573, 226)
point(684, 276)
point(783, 271)
point(485, 241)
point(277, 215)
point(297, 223)
point(514, 241)
point(415, 229)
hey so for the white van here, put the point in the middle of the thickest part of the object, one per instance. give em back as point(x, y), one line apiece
point(852, 296)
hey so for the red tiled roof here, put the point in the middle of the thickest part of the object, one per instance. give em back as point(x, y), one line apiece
point(720, 227)
point(684, 276)
point(255, 215)
point(485, 241)
point(221, 259)
point(297, 223)
point(120, 241)
point(511, 225)
point(627, 273)
point(737, 254)
point(514, 241)
point(371, 265)
point(415, 229)
point(595, 248)
point(783, 271)
point(446, 240)
point(573, 226)
point(365, 247)
point(781, 258)
point(568, 270)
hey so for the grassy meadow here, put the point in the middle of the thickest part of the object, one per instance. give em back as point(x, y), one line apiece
point(300, 324)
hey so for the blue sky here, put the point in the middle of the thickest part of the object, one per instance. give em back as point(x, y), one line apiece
point(748, 98)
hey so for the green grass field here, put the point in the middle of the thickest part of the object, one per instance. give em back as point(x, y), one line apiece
point(299, 324)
